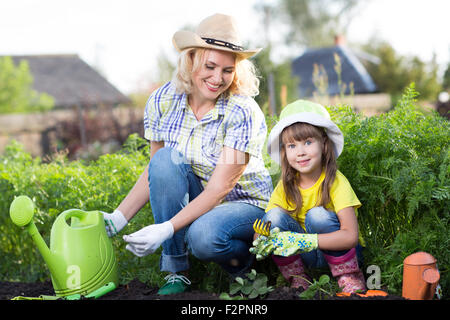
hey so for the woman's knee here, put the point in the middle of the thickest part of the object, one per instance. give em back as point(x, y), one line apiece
point(320, 220)
point(165, 161)
point(202, 242)
point(163, 158)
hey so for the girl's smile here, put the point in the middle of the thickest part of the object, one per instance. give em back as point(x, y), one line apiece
point(305, 156)
point(303, 163)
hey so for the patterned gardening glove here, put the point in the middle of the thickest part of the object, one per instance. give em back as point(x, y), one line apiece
point(283, 244)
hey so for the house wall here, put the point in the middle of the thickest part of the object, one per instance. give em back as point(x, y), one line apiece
point(38, 132)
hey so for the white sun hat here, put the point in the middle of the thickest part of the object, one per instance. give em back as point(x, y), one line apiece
point(306, 112)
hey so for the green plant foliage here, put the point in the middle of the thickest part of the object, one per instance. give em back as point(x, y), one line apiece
point(322, 288)
point(398, 164)
point(254, 285)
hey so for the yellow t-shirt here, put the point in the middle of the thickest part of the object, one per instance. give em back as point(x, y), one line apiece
point(341, 194)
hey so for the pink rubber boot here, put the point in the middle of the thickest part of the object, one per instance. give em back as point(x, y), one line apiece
point(292, 270)
point(345, 268)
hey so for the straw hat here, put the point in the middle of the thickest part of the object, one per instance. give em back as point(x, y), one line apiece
point(307, 112)
point(218, 32)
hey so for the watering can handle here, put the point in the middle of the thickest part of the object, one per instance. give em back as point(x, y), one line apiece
point(74, 213)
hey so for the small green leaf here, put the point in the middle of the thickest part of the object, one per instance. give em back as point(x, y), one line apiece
point(253, 294)
point(252, 274)
point(324, 279)
point(247, 288)
point(239, 280)
point(307, 294)
point(260, 281)
point(263, 291)
point(234, 288)
point(225, 296)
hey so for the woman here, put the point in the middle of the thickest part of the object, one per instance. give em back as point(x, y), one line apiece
point(206, 179)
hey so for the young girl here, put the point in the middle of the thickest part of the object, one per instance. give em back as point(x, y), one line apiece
point(313, 201)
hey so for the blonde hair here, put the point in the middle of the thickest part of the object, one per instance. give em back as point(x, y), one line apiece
point(245, 80)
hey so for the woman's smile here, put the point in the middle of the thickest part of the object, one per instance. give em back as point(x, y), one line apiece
point(214, 76)
point(212, 87)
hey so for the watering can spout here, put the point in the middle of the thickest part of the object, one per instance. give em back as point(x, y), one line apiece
point(21, 212)
point(41, 245)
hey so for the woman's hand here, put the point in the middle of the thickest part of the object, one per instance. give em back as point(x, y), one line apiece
point(148, 239)
point(114, 222)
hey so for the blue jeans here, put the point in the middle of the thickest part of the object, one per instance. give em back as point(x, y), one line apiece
point(222, 235)
point(317, 220)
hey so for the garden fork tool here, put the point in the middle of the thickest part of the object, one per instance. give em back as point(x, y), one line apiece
point(263, 228)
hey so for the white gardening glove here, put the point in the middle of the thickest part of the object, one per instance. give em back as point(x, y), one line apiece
point(148, 239)
point(114, 222)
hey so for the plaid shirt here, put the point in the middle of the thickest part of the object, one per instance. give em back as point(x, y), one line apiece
point(236, 122)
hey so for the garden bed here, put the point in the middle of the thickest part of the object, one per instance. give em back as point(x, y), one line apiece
point(136, 290)
point(398, 164)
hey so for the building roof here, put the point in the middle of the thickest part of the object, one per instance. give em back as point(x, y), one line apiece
point(70, 81)
point(352, 70)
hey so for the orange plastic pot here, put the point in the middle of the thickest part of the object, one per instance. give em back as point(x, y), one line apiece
point(420, 276)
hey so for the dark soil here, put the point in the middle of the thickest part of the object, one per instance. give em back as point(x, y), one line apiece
point(136, 290)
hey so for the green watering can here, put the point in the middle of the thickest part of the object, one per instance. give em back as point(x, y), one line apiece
point(81, 258)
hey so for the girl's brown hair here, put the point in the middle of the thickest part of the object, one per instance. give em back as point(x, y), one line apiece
point(291, 178)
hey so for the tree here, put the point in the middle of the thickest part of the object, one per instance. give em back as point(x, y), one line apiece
point(16, 93)
point(315, 23)
point(396, 72)
point(446, 79)
point(284, 82)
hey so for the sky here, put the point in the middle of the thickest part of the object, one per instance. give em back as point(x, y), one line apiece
point(123, 38)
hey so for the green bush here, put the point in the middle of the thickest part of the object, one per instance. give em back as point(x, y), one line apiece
point(398, 164)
